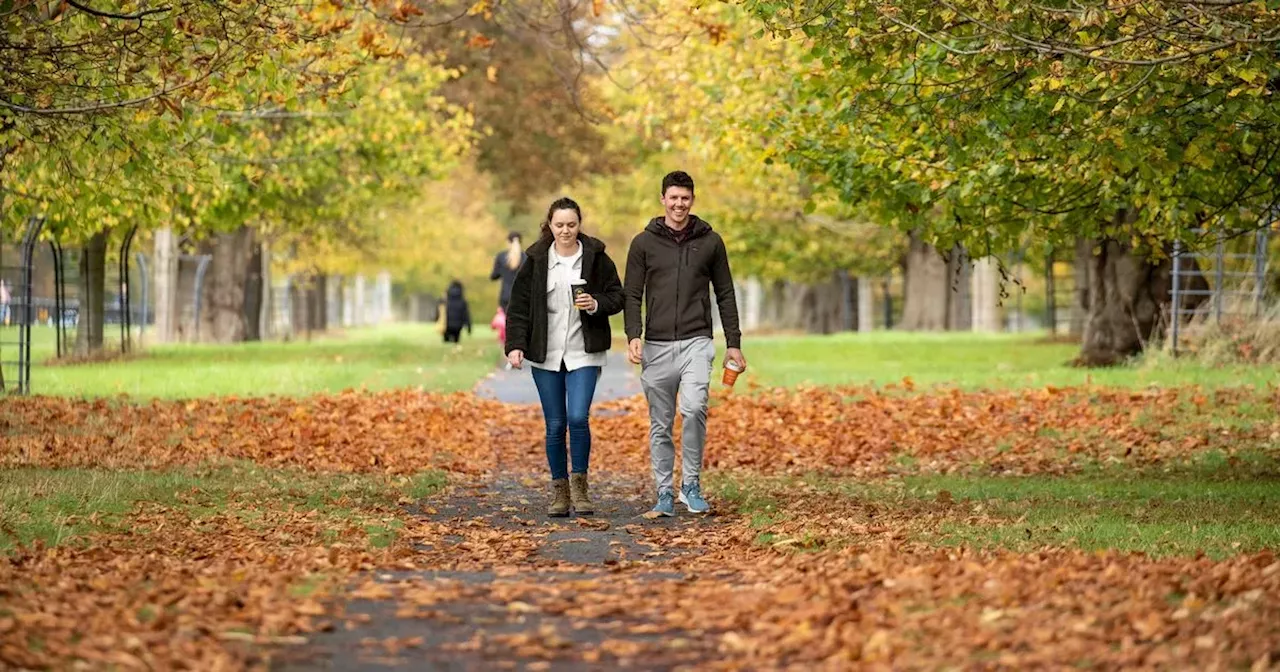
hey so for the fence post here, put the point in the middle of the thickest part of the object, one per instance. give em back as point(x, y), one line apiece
point(34, 224)
point(59, 297)
point(201, 265)
point(1051, 293)
point(888, 305)
point(1259, 269)
point(1177, 294)
point(1018, 289)
point(126, 331)
point(145, 278)
point(1218, 289)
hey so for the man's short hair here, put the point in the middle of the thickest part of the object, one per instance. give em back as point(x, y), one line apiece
point(677, 178)
point(513, 236)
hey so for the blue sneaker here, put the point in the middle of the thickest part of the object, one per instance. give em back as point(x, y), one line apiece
point(691, 497)
point(666, 504)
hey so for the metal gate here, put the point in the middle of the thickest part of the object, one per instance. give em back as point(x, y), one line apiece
point(1235, 269)
point(118, 302)
point(17, 313)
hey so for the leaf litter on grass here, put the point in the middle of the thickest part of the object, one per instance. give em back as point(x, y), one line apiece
point(167, 590)
point(784, 431)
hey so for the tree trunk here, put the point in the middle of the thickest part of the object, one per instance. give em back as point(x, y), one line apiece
point(359, 309)
point(753, 298)
point(253, 295)
point(1129, 302)
point(925, 302)
point(793, 306)
point(93, 282)
point(166, 286)
point(300, 306)
point(339, 301)
point(959, 290)
point(828, 308)
point(222, 296)
point(320, 294)
point(866, 304)
point(266, 307)
point(1084, 280)
point(986, 296)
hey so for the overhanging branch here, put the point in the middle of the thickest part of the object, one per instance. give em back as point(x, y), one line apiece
point(138, 16)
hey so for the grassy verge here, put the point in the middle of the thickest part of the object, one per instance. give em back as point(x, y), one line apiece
point(397, 356)
point(1216, 506)
point(412, 355)
point(58, 506)
point(967, 361)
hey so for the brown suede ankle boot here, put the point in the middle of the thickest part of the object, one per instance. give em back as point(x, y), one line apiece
point(560, 498)
point(578, 493)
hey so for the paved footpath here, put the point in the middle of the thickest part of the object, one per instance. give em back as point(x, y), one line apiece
point(618, 380)
point(476, 627)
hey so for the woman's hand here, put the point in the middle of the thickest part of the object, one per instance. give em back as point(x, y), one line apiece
point(515, 358)
point(586, 302)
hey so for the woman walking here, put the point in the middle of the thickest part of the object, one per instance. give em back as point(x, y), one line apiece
point(505, 265)
point(558, 321)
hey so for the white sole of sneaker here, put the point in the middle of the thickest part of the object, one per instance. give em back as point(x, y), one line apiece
point(690, 508)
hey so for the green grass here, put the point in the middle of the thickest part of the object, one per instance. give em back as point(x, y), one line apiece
point(60, 505)
point(964, 360)
point(411, 355)
point(399, 356)
point(1172, 515)
point(1218, 506)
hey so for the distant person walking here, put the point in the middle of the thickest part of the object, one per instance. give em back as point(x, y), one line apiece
point(505, 265)
point(559, 323)
point(457, 314)
point(4, 302)
point(670, 266)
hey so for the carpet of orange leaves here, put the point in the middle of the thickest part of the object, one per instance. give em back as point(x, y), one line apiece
point(171, 592)
point(851, 431)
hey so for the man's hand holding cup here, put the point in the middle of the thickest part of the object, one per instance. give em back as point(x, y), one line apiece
point(734, 364)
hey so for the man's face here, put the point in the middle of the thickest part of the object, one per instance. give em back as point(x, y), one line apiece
point(677, 201)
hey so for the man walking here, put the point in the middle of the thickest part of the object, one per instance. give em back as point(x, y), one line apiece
point(670, 266)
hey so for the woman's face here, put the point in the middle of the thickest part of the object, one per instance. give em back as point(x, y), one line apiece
point(565, 226)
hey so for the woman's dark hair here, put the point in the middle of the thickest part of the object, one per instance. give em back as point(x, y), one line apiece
point(562, 203)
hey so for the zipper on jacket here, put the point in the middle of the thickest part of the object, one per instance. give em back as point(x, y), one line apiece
point(680, 264)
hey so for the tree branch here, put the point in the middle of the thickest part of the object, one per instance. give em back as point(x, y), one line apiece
point(112, 15)
point(100, 107)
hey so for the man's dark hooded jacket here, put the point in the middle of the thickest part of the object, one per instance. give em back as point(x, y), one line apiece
point(671, 273)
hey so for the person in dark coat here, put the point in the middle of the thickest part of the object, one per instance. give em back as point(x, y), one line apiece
point(505, 265)
point(457, 314)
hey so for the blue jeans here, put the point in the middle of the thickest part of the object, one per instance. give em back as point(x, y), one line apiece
point(566, 404)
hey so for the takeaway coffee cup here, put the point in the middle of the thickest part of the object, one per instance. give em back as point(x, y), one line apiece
point(578, 287)
point(731, 371)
